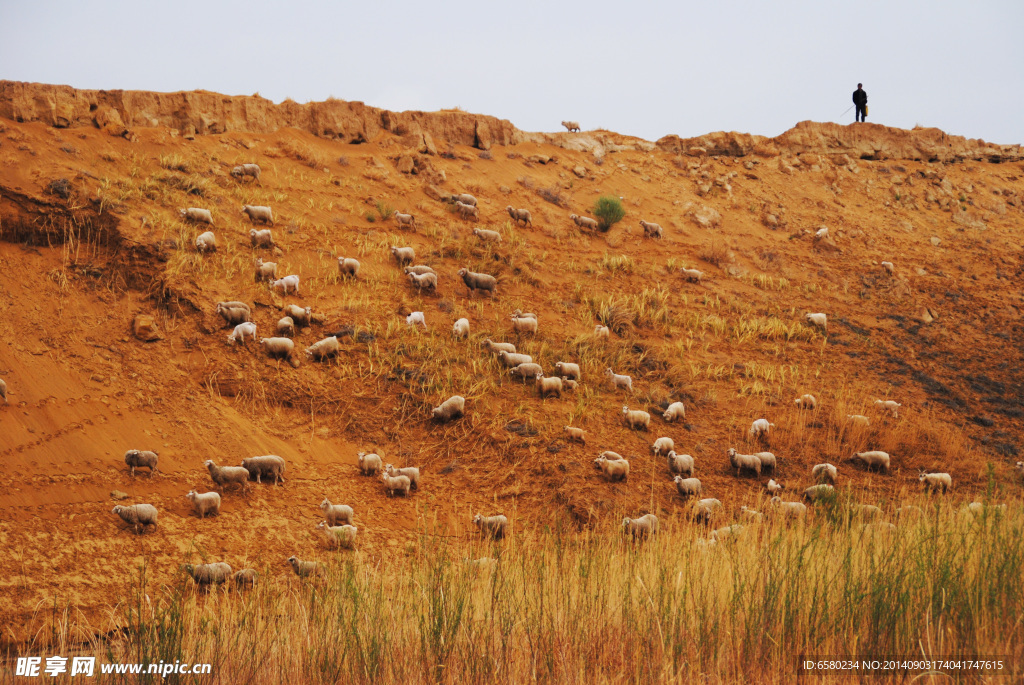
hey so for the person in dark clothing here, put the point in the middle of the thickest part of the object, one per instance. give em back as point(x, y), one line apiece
point(860, 100)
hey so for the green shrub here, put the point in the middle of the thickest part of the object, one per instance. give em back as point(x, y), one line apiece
point(609, 211)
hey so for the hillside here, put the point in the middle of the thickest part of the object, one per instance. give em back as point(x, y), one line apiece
point(90, 184)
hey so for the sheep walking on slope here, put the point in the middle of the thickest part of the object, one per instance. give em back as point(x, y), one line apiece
point(137, 515)
point(141, 458)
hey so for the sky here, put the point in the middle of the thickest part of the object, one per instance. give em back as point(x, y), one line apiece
point(640, 68)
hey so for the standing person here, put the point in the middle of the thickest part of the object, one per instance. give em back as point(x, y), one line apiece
point(860, 100)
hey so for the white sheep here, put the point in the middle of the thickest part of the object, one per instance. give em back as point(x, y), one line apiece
point(328, 348)
point(423, 282)
point(287, 284)
point(727, 532)
point(575, 434)
point(464, 198)
point(139, 458)
point(569, 384)
point(705, 509)
point(548, 386)
point(825, 473)
point(774, 488)
point(302, 316)
point(526, 371)
point(241, 332)
point(265, 271)
point(791, 509)
point(278, 348)
point(934, 481)
point(336, 513)
point(403, 255)
point(651, 230)
point(493, 527)
point(460, 329)
point(635, 419)
point(466, 211)
point(1019, 468)
point(662, 446)
point(613, 469)
point(370, 464)
point(873, 459)
point(206, 242)
point(227, 475)
point(204, 503)
point(759, 428)
point(258, 213)
point(305, 569)
point(819, 492)
point(233, 314)
point(524, 325)
point(806, 402)
point(583, 221)
point(510, 359)
point(286, 327)
point(751, 515)
point(865, 511)
point(611, 456)
point(619, 381)
point(567, 370)
point(3, 390)
point(452, 408)
point(395, 485)
point(416, 318)
point(261, 238)
point(410, 472)
point(487, 236)
point(251, 170)
point(404, 219)
point(476, 281)
point(571, 125)
point(602, 332)
point(768, 461)
point(692, 275)
point(890, 406)
point(821, 233)
point(196, 215)
point(266, 466)
point(418, 269)
point(137, 515)
point(496, 348)
point(676, 410)
point(347, 266)
point(680, 463)
point(744, 462)
point(818, 319)
point(688, 487)
point(208, 574)
point(640, 528)
point(520, 215)
point(858, 420)
point(908, 512)
point(338, 536)
point(888, 266)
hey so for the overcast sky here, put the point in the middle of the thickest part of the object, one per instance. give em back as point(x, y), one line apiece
point(640, 68)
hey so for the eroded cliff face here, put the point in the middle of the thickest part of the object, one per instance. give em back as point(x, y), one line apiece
point(203, 112)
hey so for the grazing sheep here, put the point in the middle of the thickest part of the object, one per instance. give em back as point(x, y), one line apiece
point(526, 371)
point(575, 434)
point(419, 269)
point(806, 402)
point(602, 331)
point(520, 215)
point(241, 332)
point(680, 463)
point(487, 236)
point(245, 578)
point(705, 509)
point(752, 515)
point(510, 359)
point(744, 462)
point(790, 509)
point(208, 574)
point(818, 319)
point(410, 472)
point(137, 515)
point(416, 318)
point(278, 348)
point(569, 384)
point(888, 266)
point(825, 473)
point(524, 325)
point(651, 230)
point(328, 348)
point(979, 509)
point(452, 408)
point(866, 511)
point(548, 386)
point(692, 275)
point(426, 281)
point(662, 446)
point(934, 481)
point(890, 406)
point(613, 469)
point(466, 211)
point(266, 466)
point(339, 536)
point(635, 419)
point(774, 488)
point(567, 370)
point(464, 198)
point(305, 569)
point(619, 381)
point(3, 390)
point(858, 420)
point(496, 348)
point(520, 314)
point(234, 315)
point(301, 316)
point(395, 485)
point(873, 460)
point(286, 326)
point(583, 221)
point(223, 476)
point(286, 284)
point(196, 215)
point(258, 213)
point(611, 456)
point(819, 492)
point(768, 461)
point(676, 410)
point(262, 238)
point(641, 528)
point(475, 281)
point(139, 458)
point(571, 125)
point(759, 428)
point(404, 219)
point(403, 255)
point(336, 513)
point(821, 233)
point(727, 532)
point(251, 170)
point(688, 487)
point(493, 527)
point(204, 503)
point(460, 329)
point(370, 464)
point(206, 242)
point(347, 266)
